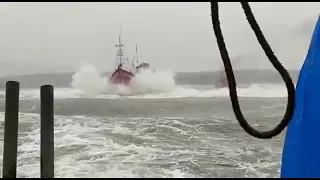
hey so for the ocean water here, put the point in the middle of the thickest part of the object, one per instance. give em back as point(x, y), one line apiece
point(156, 128)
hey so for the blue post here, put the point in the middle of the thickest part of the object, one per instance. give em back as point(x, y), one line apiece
point(301, 152)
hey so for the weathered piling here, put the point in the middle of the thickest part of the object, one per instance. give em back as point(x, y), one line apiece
point(47, 132)
point(10, 143)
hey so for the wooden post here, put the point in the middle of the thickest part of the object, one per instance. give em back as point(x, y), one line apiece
point(11, 130)
point(47, 132)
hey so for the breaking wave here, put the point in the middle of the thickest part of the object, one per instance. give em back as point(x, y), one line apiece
point(254, 90)
point(88, 83)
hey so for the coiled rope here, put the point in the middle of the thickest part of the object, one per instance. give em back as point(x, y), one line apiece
point(231, 79)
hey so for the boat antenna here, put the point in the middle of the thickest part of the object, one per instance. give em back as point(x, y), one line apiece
point(137, 54)
point(231, 79)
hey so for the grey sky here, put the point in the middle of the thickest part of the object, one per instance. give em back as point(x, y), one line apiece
point(58, 37)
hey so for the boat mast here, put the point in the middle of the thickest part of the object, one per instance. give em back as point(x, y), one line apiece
point(137, 54)
point(120, 52)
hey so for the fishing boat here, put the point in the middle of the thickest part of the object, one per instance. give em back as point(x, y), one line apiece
point(123, 73)
point(223, 81)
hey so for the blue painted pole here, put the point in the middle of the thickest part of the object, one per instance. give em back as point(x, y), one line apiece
point(301, 152)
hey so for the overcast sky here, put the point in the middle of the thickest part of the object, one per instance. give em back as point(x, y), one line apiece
point(58, 37)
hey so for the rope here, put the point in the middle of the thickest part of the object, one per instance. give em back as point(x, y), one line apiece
point(231, 79)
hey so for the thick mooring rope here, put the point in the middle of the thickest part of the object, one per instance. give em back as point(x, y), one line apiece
point(231, 80)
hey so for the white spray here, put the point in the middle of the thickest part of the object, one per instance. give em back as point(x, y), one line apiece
point(89, 81)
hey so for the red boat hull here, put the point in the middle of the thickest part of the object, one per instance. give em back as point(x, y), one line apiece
point(121, 76)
